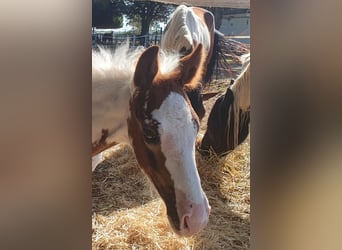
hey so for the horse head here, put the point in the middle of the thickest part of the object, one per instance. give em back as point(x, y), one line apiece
point(162, 126)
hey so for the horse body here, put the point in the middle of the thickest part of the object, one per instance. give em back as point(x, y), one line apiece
point(140, 98)
point(228, 122)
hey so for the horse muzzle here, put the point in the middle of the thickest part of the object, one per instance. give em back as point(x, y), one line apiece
point(193, 216)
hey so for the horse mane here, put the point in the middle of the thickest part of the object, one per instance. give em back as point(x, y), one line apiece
point(112, 77)
point(241, 104)
point(168, 62)
point(177, 29)
point(225, 50)
point(114, 67)
point(245, 60)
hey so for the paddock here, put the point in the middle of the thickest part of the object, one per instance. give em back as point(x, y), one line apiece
point(127, 212)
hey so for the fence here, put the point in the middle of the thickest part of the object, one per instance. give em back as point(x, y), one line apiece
point(111, 41)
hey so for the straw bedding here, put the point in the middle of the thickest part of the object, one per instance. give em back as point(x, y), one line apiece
point(127, 212)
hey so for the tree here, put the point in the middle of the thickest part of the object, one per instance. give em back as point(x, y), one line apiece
point(147, 12)
point(107, 13)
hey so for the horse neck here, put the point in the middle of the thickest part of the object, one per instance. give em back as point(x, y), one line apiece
point(110, 110)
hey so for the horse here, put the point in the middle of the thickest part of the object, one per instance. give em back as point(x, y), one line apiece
point(189, 26)
point(228, 122)
point(140, 97)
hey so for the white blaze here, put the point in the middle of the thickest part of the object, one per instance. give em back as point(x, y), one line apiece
point(177, 135)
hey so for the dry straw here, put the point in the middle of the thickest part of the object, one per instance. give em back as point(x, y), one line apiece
point(128, 214)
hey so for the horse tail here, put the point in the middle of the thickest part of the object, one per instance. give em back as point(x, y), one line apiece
point(225, 52)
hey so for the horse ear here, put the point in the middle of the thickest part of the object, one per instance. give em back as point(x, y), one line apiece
point(192, 67)
point(147, 68)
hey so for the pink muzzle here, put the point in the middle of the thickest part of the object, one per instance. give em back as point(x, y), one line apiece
point(193, 216)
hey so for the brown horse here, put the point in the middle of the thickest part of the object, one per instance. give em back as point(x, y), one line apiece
point(140, 98)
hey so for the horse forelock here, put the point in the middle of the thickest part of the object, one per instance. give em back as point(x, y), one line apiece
point(168, 62)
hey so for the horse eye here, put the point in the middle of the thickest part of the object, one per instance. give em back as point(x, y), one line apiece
point(151, 136)
point(185, 51)
point(182, 50)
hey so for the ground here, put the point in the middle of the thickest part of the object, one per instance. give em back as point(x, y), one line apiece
point(127, 212)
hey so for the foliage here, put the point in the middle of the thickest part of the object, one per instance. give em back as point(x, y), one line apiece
point(141, 14)
point(107, 13)
point(147, 12)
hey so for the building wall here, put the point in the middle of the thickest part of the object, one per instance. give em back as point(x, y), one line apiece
point(236, 25)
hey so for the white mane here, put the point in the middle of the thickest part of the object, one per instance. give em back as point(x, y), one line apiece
point(245, 60)
point(112, 77)
point(241, 86)
point(241, 92)
point(117, 67)
point(184, 30)
point(168, 61)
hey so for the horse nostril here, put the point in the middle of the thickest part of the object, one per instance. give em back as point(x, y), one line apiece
point(186, 222)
